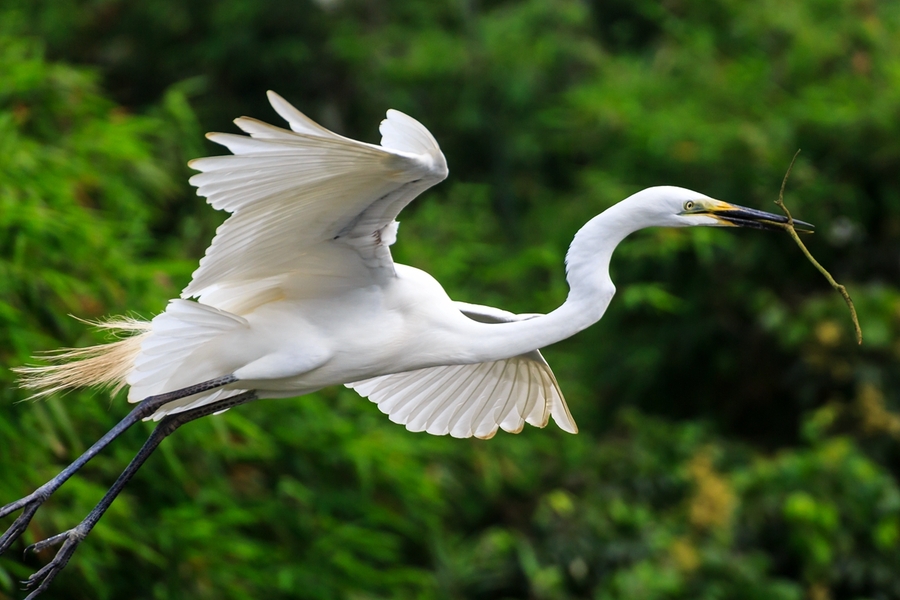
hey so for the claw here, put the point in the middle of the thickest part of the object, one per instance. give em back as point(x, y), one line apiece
point(21, 523)
point(40, 589)
point(70, 540)
point(51, 541)
point(39, 575)
point(40, 579)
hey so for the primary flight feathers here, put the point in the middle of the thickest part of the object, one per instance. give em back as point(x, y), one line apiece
point(289, 190)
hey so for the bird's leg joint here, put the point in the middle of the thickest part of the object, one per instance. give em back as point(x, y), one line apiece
point(151, 404)
point(31, 503)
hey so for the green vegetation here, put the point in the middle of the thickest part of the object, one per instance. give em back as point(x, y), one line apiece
point(735, 443)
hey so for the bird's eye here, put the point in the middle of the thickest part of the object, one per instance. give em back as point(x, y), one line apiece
point(688, 205)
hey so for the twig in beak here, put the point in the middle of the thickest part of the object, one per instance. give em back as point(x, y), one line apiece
point(789, 226)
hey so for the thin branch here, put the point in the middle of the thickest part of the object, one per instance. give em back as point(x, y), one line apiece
point(789, 226)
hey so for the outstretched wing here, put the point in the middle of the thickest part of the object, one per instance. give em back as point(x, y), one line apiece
point(473, 400)
point(308, 192)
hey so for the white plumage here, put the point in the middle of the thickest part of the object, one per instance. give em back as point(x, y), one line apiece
point(298, 289)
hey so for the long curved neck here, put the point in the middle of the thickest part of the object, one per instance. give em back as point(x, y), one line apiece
point(590, 289)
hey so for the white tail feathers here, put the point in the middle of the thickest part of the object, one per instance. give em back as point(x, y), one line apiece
point(103, 365)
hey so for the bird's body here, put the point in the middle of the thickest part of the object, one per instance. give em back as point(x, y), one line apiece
point(298, 343)
point(299, 291)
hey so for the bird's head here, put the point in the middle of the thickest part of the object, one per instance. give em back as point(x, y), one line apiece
point(680, 207)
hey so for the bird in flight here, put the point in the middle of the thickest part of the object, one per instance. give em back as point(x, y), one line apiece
point(298, 291)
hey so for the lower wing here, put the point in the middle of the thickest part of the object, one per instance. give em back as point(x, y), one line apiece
point(473, 400)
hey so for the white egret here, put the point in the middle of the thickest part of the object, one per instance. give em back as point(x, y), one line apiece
point(298, 291)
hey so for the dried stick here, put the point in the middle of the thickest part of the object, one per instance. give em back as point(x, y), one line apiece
point(789, 226)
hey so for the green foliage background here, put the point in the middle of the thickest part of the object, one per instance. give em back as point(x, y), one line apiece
point(735, 443)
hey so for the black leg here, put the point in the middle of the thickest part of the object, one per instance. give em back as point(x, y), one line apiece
point(146, 408)
point(70, 539)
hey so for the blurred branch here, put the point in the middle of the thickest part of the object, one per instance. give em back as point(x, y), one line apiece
point(789, 226)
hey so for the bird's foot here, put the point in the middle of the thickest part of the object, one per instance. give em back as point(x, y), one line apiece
point(30, 503)
point(40, 580)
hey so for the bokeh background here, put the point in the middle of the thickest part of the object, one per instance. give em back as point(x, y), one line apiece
point(735, 441)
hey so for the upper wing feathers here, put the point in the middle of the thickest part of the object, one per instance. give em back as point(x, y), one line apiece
point(290, 190)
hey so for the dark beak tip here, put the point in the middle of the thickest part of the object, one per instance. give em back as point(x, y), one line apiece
point(804, 227)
